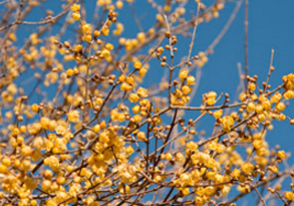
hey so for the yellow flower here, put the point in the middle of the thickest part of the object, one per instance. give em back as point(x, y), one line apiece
point(190, 80)
point(134, 97)
point(52, 162)
point(141, 37)
point(247, 167)
point(281, 154)
point(251, 86)
point(289, 94)
point(186, 191)
point(105, 30)
point(105, 53)
point(183, 74)
point(12, 89)
point(75, 7)
point(242, 97)
point(76, 16)
point(3, 169)
point(104, 137)
point(289, 79)
point(87, 38)
point(142, 72)
point(26, 151)
point(78, 48)
point(142, 92)
point(46, 185)
point(251, 107)
point(136, 109)
point(209, 98)
point(236, 173)
point(86, 28)
point(186, 179)
point(45, 121)
point(60, 129)
point(141, 136)
point(96, 128)
point(69, 72)
point(179, 157)
point(129, 150)
point(227, 123)
point(137, 118)
point(289, 196)
point(217, 114)
point(280, 106)
point(137, 64)
point(6, 161)
point(274, 169)
point(276, 97)
point(109, 46)
point(186, 89)
point(192, 146)
point(73, 116)
point(99, 101)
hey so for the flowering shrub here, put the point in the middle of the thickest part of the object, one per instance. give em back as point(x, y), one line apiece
point(79, 125)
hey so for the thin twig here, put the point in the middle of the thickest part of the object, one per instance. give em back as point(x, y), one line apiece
point(194, 32)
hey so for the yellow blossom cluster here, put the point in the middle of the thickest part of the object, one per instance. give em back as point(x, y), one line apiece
point(76, 14)
point(209, 98)
point(83, 123)
point(181, 95)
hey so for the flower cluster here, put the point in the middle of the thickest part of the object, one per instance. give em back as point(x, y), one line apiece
point(95, 112)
